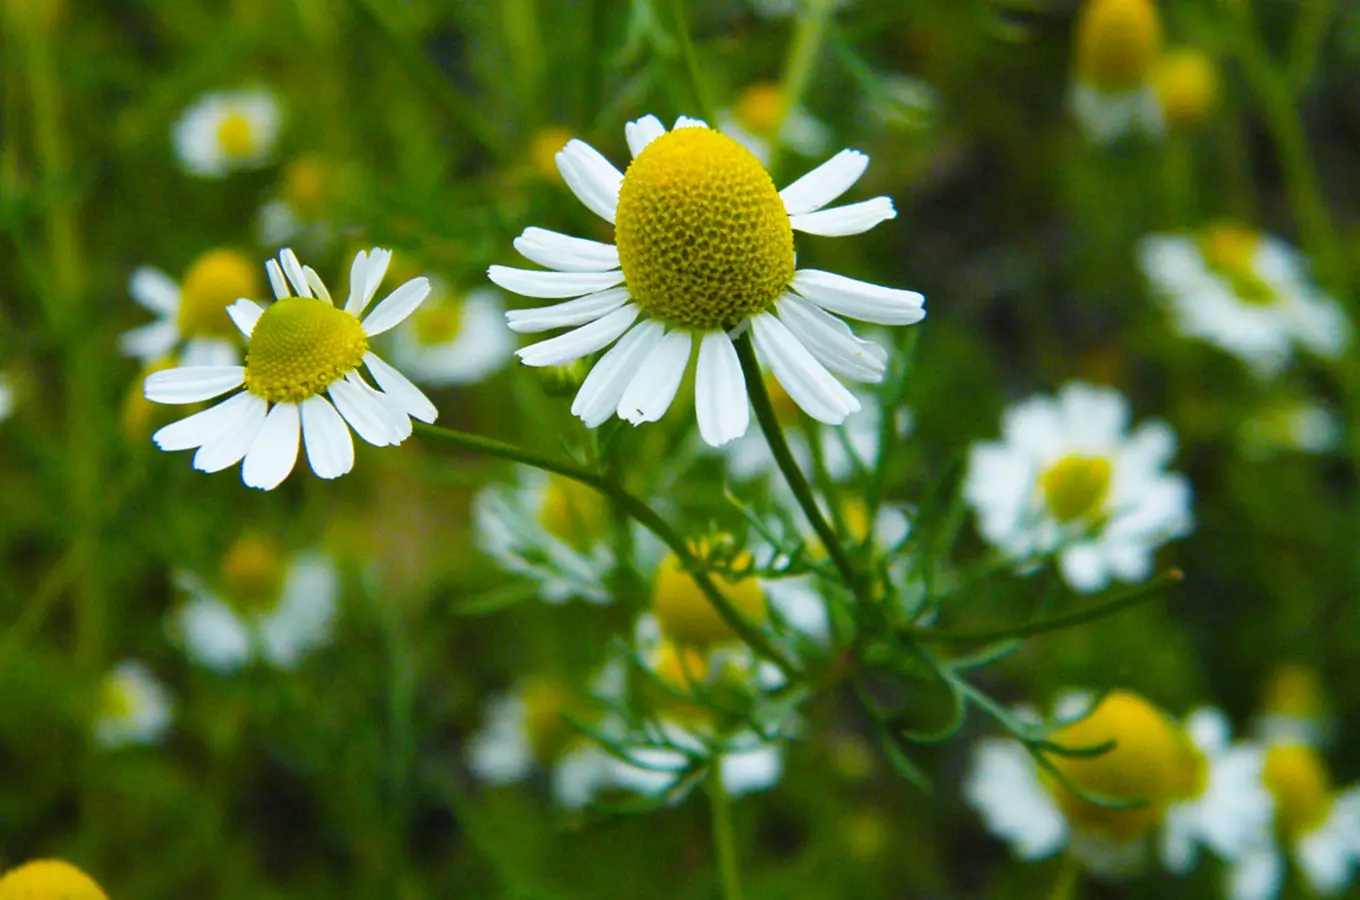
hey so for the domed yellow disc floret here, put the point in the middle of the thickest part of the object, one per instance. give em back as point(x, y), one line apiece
point(685, 614)
point(703, 238)
point(235, 136)
point(252, 574)
point(1117, 43)
point(215, 281)
point(1297, 779)
point(299, 346)
point(1146, 764)
point(1076, 487)
point(1187, 86)
point(49, 879)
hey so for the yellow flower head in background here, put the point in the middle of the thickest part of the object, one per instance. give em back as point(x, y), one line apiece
point(1186, 82)
point(49, 879)
point(685, 614)
point(1117, 43)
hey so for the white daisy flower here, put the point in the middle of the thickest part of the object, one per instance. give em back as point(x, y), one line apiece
point(704, 248)
point(226, 131)
point(1246, 293)
point(297, 348)
point(1290, 425)
point(1117, 45)
point(1316, 826)
point(134, 707)
point(262, 607)
point(1067, 479)
point(192, 320)
point(453, 340)
point(752, 121)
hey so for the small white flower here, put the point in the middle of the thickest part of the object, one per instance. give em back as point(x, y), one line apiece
point(298, 348)
point(226, 131)
point(747, 764)
point(134, 707)
point(192, 320)
point(1067, 479)
point(1106, 116)
point(687, 269)
point(453, 340)
point(1246, 293)
point(1299, 426)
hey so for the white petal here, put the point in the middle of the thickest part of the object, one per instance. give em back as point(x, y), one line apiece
point(272, 455)
point(150, 342)
point(356, 300)
point(154, 290)
point(591, 177)
point(653, 388)
point(397, 386)
point(317, 285)
point(530, 283)
point(293, 269)
point(203, 351)
point(600, 393)
point(720, 391)
point(565, 253)
point(831, 340)
point(812, 387)
point(228, 447)
point(203, 427)
point(839, 221)
point(581, 341)
point(245, 314)
point(859, 299)
point(824, 183)
point(642, 132)
point(330, 449)
point(398, 305)
point(365, 414)
point(397, 419)
point(276, 279)
point(687, 122)
point(567, 315)
point(190, 384)
point(375, 267)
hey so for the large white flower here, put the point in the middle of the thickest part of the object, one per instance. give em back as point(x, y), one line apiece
point(453, 340)
point(296, 349)
point(1067, 479)
point(1244, 292)
point(226, 131)
point(134, 707)
point(192, 319)
point(703, 249)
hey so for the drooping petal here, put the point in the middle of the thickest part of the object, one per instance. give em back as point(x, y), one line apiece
point(591, 177)
point(824, 183)
point(398, 305)
point(859, 299)
point(839, 221)
point(400, 389)
point(154, 290)
point(653, 388)
point(831, 340)
point(600, 393)
point(551, 285)
point(565, 253)
point(642, 132)
point(293, 269)
point(231, 445)
point(567, 315)
point(150, 342)
point(274, 452)
point(317, 285)
point(374, 272)
point(191, 384)
point(330, 449)
point(276, 279)
point(810, 385)
point(580, 341)
point(687, 122)
point(206, 426)
point(364, 413)
point(720, 401)
point(245, 314)
point(356, 301)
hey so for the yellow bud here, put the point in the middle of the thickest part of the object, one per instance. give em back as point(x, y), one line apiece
point(1117, 43)
point(685, 614)
point(1187, 86)
point(1297, 779)
point(1076, 487)
point(760, 107)
point(543, 150)
point(572, 512)
point(49, 879)
point(545, 702)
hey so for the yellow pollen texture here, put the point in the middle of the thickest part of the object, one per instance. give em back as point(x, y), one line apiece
point(1146, 764)
point(49, 879)
point(1117, 43)
point(1298, 781)
point(235, 135)
point(299, 347)
point(703, 238)
point(216, 280)
point(1076, 487)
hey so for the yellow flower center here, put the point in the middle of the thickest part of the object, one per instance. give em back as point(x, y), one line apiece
point(299, 347)
point(235, 136)
point(216, 280)
point(1076, 487)
point(1187, 86)
point(117, 700)
point(1297, 779)
point(438, 323)
point(1230, 251)
point(304, 187)
point(545, 702)
point(543, 150)
point(1295, 690)
point(252, 575)
point(1117, 43)
point(49, 879)
point(685, 614)
point(703, 238)
point(572, 512)
point(1146, 764)
point(760, 108)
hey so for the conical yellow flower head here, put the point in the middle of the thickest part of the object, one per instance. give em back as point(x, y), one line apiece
point(299, 347)
point(1187, 86)
point(1297, 779)
point(1117, 43)
point(49, 879)
point(685, 614)
point(703, 238)
point(235, 136)
point(1075, 488)
point(216, 280)
point(252, 574)
point(1146, 764)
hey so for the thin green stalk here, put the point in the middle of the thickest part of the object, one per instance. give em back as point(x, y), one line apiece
point(807, 45)
point(1069, 879)
point(690, 57)
point(724, 835)
point(640, 511)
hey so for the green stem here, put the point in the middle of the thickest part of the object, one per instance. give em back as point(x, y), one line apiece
point(724, 836)
point(1068, 880)
point(690, 56)
point(807, 44)
point(634, 507)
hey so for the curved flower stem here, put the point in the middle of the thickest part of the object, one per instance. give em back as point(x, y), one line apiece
point(634, 507)
point(783, 457)
point(724, 842)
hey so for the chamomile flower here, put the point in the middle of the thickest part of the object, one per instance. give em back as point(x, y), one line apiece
point(262, 605)
point(1067, 479)
point(227, 131)
point(49, 879)
point(1287, 425)
point(296, 349)
point(300, 212)
point(1117, 43)
point(192, 321)
point(1246, 293)
point(134, 707)
point(758, 111)
point(1294, 708)
point(704, 248)
point(1186, 82)
point(452, 339)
